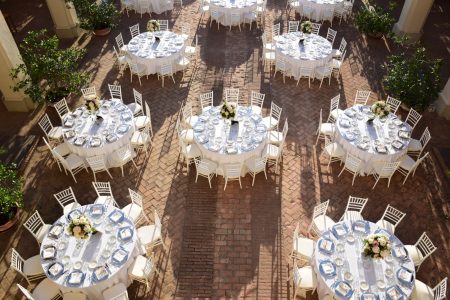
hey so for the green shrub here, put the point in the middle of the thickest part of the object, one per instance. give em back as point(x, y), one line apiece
point(11, 196)
point(374, 20)
point(94, 15)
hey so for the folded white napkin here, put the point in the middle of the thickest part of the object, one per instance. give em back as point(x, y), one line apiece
point(343, 288)
point(75, 278)
point(49, 252)
point(55, 269)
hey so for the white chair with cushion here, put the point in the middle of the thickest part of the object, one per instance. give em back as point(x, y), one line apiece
point(166, 71)
point(304, 279)
point(232, 172)
point(185, 134)
point(125, 155)
point(274, 153)
point(257, 102)
point(206, 101)
point(66, 198)
point(62, 109)
point(163, 25)
point(232, 96)
point(188, 117)
point(361, 97)
point(422, 291)
point(119, 41)
point(136, 106)
point(354, 208)
point(328, 15)
point(104, 194)
point(136, 69)
point(421, 250)
point(323, 72)
point(190, 152)
point(324, 129)
point(391, 218)
point(150, 235)
point(315, 28)
point(409, 165)
point(280, 66)
point(31, 268)
point(135, 210)
point(273, 119)
point(45, 290)
point(293, 26)
point(53, 133)
point(71, 163)
point(134, 30)
point(276, 137)
point(337, 64)
point(413, 118)
point(320, 222)
point(333, 151)
point(338, 52)
point(302, 247)
point(352, 165)
point(98, 164)
point(256, 165)
point(334, 109)
point(37, 227)
point(142, 269)
point(416, 147)
point(89, 92)
point(62, 149)
point(394, 104)
point(331, 35)
point(306, 70)
point(384, 170)
point(205, 168)
point(116, 292)
point(141, 140)
point(144, 120)
point(115, 91)
point(121, 59)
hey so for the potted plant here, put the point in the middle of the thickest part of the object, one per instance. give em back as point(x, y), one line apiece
point(11, 197)
point(99, 17)
point(413, 79)
point(375, 21)
point(48, 73)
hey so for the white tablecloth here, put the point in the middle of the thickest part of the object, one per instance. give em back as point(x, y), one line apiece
point(215, 137)
point(147, 52)
point(319, 6)
point(361, 268)
point(113, 132)
point(315, 50)
point(228, 7)
point(156, 6)
point(353, 130)
point(91, 251)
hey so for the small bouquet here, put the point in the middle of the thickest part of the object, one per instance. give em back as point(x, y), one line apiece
point(306, 27)
point(80, 227)
point(93, 105)
point(381, 109)
point(152, 25)
point(228, 111)
point(377, 246)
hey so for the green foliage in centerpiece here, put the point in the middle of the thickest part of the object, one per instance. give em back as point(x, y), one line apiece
point(153, 25)
point(228, 111)
point(48, 73)
point(11, 196)
point(380, 109)
point(306, 27)
point(377, 246)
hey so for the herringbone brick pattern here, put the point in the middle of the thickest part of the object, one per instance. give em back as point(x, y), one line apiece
point(235, 244)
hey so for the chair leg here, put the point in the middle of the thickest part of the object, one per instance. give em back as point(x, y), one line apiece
point(354, 176)
point(226, 181)
point(240, 184)
point(375, 183)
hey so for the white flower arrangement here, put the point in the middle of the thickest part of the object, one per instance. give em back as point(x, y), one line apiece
point(80, 227)
point(152, 25)
point(228, 111)
point(377, 246)
point(380, 109)
point(306, 27)
point(93, 105)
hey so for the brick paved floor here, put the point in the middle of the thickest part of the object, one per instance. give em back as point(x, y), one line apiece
point(235, 244)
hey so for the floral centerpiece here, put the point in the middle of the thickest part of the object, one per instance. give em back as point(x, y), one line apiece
point(306, 27)
point(228, 111)
point(152, 25)
point(92, 104)
point(381, 109)
point(80, 227)
point(377, 246)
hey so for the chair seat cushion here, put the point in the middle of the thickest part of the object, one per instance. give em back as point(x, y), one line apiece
point(327, 128)
point(69, 207)
point(322, 71)
point(134, 107)
point(138, 267)
point(148, 234)
point(192, 151)
point(304, 247)
point(33, 266)
point(322, 223)
point(272, 151)
point(336, 63)
point(386, 225)
point(251, 165)
point(74, 296)
point(187, 135)
point(306, 278)
point(352, 215)
point(43, 232)
point(139, 138)
point(275, 137)
point(62, 149)
point(141, 121)
point(422, 291)
point(191, 120)
point(256, 109)
point(55, 133)
point(407, 163)
point(133, 211)
point(335, 112)
point(336, 53)
point(270, 122)
point(212, 166)
point(114, 291)
point(74, 161)
point(46, 289)
point(414, 145)
point(334, 150)
point(415, 254)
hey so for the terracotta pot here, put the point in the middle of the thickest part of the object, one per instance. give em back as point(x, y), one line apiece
point(11, 222)
point(102, 32)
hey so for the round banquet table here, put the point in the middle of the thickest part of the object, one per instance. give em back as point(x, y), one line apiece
point(90, 266)
point(338, 261)
point(315, 50)
point(146, 51)
point(319, 6)
point(223, 143)
point(156, 6)
point(86, 137)
point(384, 140)
point(229, 7)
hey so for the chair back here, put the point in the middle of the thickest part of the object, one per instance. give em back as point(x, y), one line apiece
point(285, 129)
point(134, 30)
point(320, 209)
point(45, 124)
point(388, 169)
point(260, 163)
point(232, 95)
point(137, 97)
point(315, 28)
point(276, 30)
point(166, 69)
point(440, 290)
point(356, 204)
point(425, 138)
point(17, 262)
point(89, 92)
point(163, 25)
point(157, 220)
point(61, 108)
point(418, 162)
point(61, 160)
point(187, 111)
point(343, 45)
point(331, 34)
point(257, 99)
point(97, 163)
point(306, 70)
point(334, 104)
point(275, 111)
point(136, 198)
point(413, 118)
point(293, 26)
point(206, 100)
point(149, 267)
point(102, 188)
point(280, 64)
point(361, 97)
point(232, 170)
point(393, 215)
point(65, 197)
point(119, 41)
point(393, 103)
point(134, 67)
point(115, 91)
point(425, 245)
point(34, 223)
point(235, 18)
point(202, 166)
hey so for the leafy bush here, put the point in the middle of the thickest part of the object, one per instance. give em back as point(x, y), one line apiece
point(93, 15)
point(413, 79)
point(51, 72)
point(375, 21)
point(11, 196)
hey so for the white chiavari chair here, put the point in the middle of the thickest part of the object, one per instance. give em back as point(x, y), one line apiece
point(331, 36)
point(206, 101)
point(409, 165)
point(421, 291)
point(333, 151)
point(71, 163)
point(337, 64)
point(192, 50)
point(293, 26)
point(98, 164)
point(116, 292)
point(190, 152)
point(30, 269)
point(136, 69)
point(141, 140)
point(36, 226)
point(393, 103)
point(328, 15)
point(185, 133)
point(125, 155)
point(413, 118)
point(306, 70)
point(384, 170)
point(273, 119)
point(142, 269)
point(166, 71)
point(334, 109)
point(336, 53)
point(276, 137)
point(135, 210)
point(250, 17)
point(188, 117)
point(203, 8)
point(163, 25)
point(150, 235)
point(121, 59)
point(391, 218)
point(62, 109)
point(340, 13)
point(302, 247)
point(62, 149)
point(144, 7)
point(115, 91)
point(89, 93)
point(46, 289)
point(274, 153)
point(232, 172)
point(136, 106)
point(119, 42)
point(66, 198)
point(315, 28)
point(303, 279)
point(361, 97)
point(320, 222)
point(276, 30)
point(53, 133)
point(256, 165)
point(280, 66)
point(232, 96)
point(325, 129)
point(354, 208)
point(215, 15)
point(134, 30)
point(323, 72)
point(235, 20)
point(257, 102)
point(104, 193)
point(205, 168)
point(421, 250)
point(144, 120)
point(126, 5)
point(352, 165)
